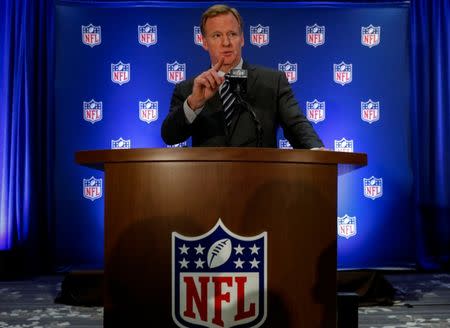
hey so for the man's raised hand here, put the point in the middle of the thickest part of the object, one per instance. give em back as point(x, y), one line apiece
point(205, 86)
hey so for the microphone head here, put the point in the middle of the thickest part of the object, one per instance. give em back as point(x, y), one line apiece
point(237, 73)
point(238, 80)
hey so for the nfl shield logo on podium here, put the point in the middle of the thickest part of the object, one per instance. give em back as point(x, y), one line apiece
point(219, 279)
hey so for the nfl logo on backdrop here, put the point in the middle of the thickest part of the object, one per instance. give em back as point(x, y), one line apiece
point(176, 72)
point(92, 111)
point(148, 111)
point(219, 279)
point(343, 145)
point(92, 188)
point(370, 111)
point(346, 226)
point(120, 144)
point(290, 70)
point(370, 35)
point(315, 35)
point(91, 35)
point(373, 187)
point(259, 35)
point(284, 144)
point(198, 37)
point(147, 34)
point(178, 145)
point(120, 73)
point(343, 73)
point(315, 111)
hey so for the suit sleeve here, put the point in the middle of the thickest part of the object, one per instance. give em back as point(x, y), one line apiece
point(175, 128)
point(297, 129)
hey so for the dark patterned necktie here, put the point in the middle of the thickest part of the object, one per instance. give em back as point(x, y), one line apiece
point(227, 97)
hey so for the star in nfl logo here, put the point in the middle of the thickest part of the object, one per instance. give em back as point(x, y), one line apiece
point(147, 34)
point(219, 279)
point(373, 187)
point(343, 73)
point(148, 111)
point(92, 111)
point(315, 35)
point(92, 188)
point(176, 72)
point(198, 37)
point(315, 111)
point(343, 145)
point(370, 35)
point(259, 35)
point(120, 73)
point(370, 111)
point(290, 70)
point(121, 144)
point(91, 35)
point(346, 226)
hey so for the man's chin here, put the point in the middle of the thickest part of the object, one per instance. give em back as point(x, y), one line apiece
point(230, 62)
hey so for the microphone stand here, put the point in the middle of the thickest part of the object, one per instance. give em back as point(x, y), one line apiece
point(246, 106)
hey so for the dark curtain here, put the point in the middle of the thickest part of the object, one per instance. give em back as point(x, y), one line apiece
point(26, 114)
point(430, 28)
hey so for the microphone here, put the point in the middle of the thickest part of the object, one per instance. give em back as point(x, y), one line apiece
point(238, 85)
point(238, 81)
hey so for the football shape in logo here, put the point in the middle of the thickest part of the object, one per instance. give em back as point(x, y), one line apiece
point(219, 253)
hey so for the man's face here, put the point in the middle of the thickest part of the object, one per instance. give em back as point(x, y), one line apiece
point(223, 38)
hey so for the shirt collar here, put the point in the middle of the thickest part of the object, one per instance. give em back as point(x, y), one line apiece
point(238, 66)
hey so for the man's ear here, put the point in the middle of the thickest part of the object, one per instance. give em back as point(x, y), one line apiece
point(204, 43)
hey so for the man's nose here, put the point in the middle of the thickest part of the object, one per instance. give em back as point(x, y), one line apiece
point(226, 40)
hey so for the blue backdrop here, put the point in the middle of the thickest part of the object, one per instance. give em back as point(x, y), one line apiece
point(349, 69)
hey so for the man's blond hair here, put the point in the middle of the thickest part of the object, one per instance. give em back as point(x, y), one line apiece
point(217, 10)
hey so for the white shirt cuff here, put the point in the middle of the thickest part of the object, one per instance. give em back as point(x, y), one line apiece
point(189, 113)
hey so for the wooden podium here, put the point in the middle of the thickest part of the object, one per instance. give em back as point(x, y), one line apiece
point(290, 194)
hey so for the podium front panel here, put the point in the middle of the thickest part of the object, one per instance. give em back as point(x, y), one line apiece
point(295, 203)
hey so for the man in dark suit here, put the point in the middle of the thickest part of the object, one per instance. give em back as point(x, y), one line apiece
point(197, 110)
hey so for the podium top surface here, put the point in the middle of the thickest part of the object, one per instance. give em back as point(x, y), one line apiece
point(98, 158)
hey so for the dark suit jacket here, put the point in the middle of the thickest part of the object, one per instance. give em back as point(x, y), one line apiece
point(270, 96)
